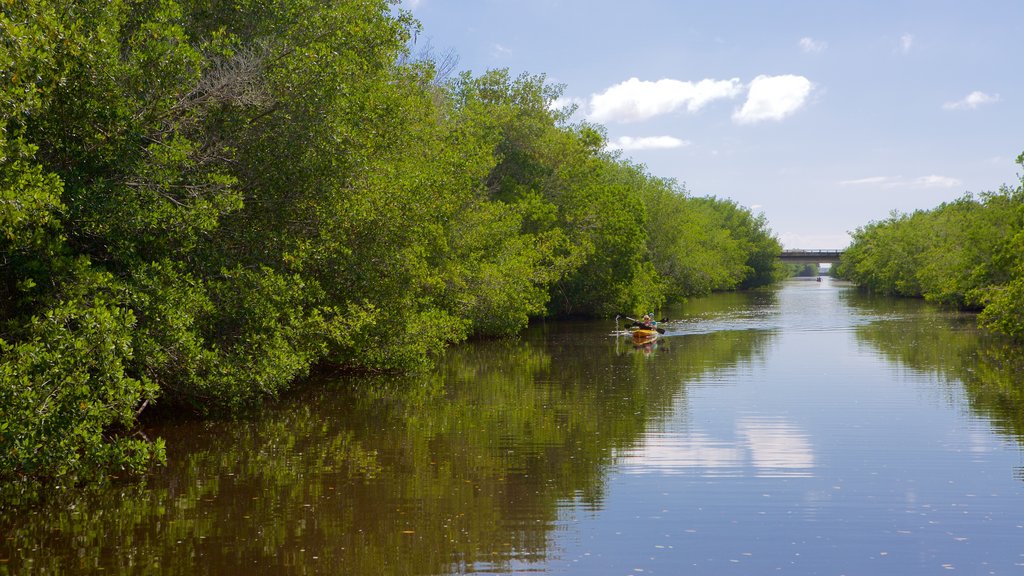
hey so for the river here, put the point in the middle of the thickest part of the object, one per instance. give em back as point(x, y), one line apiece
point(807, 429)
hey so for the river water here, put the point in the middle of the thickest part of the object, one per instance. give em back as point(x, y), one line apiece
point(807, 429)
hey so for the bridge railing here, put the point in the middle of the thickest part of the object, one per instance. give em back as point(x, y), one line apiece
point(800, 255)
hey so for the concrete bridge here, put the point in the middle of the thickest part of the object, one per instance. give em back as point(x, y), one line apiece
point(811, 256)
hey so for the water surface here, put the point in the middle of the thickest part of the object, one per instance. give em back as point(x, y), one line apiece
point(803, 430)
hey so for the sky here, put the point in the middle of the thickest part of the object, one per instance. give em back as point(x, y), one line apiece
point(822, 115)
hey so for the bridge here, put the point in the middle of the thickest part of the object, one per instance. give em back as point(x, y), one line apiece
point(811, 256)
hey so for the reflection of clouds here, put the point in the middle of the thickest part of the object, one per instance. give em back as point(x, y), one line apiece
point(670, 452)
point(777, 447)
point(764, 447)
point(979, 442)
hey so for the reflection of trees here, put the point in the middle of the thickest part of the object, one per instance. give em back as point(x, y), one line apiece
point(465, 467)
point(946, 344)
point(750, 300)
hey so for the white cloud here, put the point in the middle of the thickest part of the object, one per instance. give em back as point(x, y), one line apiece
point(562, 103)
point(935, 181)
point(773, 98)
point(906, 42)
point(871, 180)
point(932, 181)
point(647, 143)
point(635, 100)
point(810, 45)
point(499, 50)
point(972, 101)
point(413, 4)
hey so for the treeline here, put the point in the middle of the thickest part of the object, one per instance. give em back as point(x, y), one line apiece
point(968, 254)
point(200, 201)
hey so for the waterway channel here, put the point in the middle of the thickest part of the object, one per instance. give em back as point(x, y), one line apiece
point(807, 429)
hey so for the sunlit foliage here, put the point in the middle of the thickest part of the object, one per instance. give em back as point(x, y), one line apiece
point(705, 244)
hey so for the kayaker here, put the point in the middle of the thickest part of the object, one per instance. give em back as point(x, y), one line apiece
point(647, 324)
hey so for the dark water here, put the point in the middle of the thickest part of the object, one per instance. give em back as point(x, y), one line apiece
point(806, 430)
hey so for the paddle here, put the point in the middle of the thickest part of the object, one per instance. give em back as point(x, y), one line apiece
point(659, 330)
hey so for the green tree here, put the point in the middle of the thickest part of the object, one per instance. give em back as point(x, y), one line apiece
point(964, 253)
point(580, 203)
point(66, 395)
point(704, 244)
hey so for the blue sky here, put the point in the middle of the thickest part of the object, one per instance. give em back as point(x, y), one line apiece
point(822, 115)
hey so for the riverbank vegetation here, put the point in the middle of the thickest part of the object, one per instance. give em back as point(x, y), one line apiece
point(968, 253)
point(201, 202)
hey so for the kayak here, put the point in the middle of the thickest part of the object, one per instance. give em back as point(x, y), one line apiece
point(641, 335)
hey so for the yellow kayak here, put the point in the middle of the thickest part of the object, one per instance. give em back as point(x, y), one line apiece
point(641, 335)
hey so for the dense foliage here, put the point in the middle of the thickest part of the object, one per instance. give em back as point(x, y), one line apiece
point(201, 201)
point(967, 253)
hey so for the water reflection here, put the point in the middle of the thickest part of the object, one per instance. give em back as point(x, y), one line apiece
point(467, 468)
point(762, 447)
point(765, 432)
point(778, 448)
point(946, 345)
